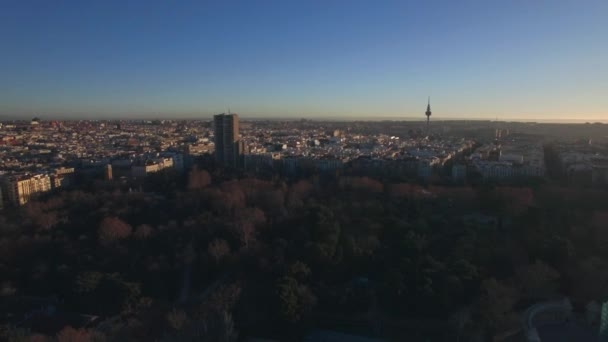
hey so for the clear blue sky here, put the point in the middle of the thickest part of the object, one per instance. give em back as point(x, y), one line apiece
point(537, 59)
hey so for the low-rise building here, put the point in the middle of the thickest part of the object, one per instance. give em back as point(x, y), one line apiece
point(151, 166)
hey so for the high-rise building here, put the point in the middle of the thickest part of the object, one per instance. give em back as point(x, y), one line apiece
point(428, 114)
point(228, 147)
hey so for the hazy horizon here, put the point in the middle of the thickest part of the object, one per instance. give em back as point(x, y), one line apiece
point(246, 117)
point(515, 60)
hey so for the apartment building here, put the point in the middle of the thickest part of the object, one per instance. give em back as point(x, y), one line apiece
point(20, 189)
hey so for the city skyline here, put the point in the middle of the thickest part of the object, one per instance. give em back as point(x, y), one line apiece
point(343, 60)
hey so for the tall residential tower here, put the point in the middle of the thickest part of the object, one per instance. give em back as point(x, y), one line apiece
point(228, 147)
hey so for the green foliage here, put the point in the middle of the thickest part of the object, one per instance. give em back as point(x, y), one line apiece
point(12, 334)
point(325, 233)
point(538, 281)
point(88, 281)
point(295, 299)
point(107, 293)
point(497, 302)
point(219, 327)
point(299, 271)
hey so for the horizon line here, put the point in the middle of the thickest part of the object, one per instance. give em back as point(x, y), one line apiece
point(311, 118)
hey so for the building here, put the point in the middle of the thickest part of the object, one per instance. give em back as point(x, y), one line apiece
point(328, 164)
point(177, 160)
point(518, 158)
point(228, 146)
point(62, 177)
point(64, 171)
point(260, 161)
point(138, 171)
point(108, 172)
point(291, 165)
point(151, 166)
point(599, 171)
point(428, 114)
point(459, 173)
point(60, 181)
point(514, 158)
point(19, 189)
point(426, 166)
point(199, 149)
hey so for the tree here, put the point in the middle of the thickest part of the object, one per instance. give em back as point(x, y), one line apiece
point(538, 280)
point(218, 249)
point(224, 329)
point(47, 220)
point(198, 179)
point(497, 302)
point(557, 251)
point(251, 215)
point(392, 289)
point(592, 279)
point(177, 319)
point(223, 299)
point(298, 192)
point(113, 229)
point(107, 293)
point(219, 327)
point(143, 231)
point(464, 270)
point(12, 334)
point(325, 233)
point(273, 202)
point(39, 338)
point(458, 320)
point(41, 216)
point(599, 222)
point(245, 232)
point(299, 271)
point(228, 198)
point(295, 299)
point(69, 334)
point(362, 184)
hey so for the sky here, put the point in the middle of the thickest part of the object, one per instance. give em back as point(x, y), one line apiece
point(516, 59)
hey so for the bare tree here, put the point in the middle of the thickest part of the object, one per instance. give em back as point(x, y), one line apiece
point(245, 231)
point(198, 179)
point(69, 334)
point(113, 229)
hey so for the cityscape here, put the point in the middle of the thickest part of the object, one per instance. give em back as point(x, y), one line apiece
point(40, 156)
point(316, 171)
point(429, 160)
